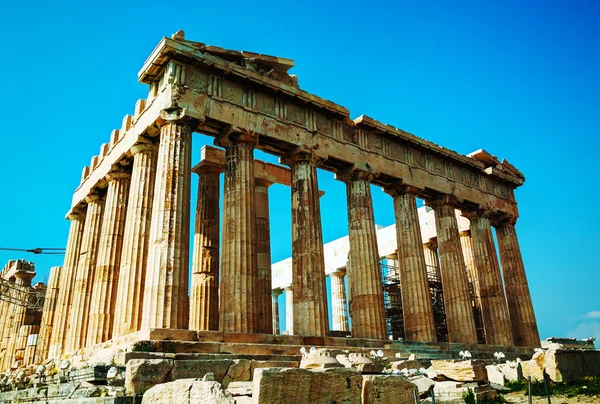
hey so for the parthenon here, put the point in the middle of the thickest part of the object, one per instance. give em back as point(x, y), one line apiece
point(129, 258)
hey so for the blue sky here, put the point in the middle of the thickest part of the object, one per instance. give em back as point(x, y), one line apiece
point(519, 79)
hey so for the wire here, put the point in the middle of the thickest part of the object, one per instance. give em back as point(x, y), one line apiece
point(37, 251)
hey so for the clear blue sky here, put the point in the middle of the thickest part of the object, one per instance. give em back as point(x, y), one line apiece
point(519, 79)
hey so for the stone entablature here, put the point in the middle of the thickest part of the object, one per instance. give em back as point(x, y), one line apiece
point(210, 85)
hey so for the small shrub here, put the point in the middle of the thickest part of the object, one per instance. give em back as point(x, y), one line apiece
point(144, 346)
point(469, 397)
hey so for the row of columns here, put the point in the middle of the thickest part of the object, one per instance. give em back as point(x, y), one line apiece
point(137, 233)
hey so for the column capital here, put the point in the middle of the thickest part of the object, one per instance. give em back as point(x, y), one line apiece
point(263, 182)
point(432, 244)
point(232, 134)
point(144, 144)
point(76, 213)
point(177, 116)
point(94, 196)
point(503, 219)
point(465, 233)
point(443, 200)
point(395, 190)
point(276, 292)
point(117, 173)
point(355, 173)
point(340, 273)
point(201, 169)
point(475, 213)
point(300, 153)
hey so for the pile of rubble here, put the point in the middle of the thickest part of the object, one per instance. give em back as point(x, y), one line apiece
point(317, 375)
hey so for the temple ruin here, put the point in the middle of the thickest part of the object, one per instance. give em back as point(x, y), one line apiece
point(128, 257)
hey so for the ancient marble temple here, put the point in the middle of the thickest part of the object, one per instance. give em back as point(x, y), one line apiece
point(129, 256)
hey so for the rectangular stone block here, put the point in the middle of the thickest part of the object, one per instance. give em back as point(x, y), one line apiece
point(384, 389)
point(196, 369)
point(300, 386)
point(464, 371)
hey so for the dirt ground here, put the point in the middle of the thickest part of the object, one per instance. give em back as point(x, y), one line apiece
point(522, 398)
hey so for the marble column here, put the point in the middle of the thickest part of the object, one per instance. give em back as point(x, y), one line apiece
point(430, 250)
point(308, 263)
point(166, 302)
point(263, 257)
point(364, 275)
point(19, 316)
point(275, 309)
point(239, 277)
point(104, 289)
point(204, 296)
point(27, 345)
point(79, 312)
point(455, 283)
point(494, 310)
point(48, 314)
point(67, 284)
point(338, 301)
point(520, 307)
point(289, 310)
point(466, 243)
point(136, 232)
point(416, 298)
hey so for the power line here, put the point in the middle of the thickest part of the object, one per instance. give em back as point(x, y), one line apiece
point(38, 251)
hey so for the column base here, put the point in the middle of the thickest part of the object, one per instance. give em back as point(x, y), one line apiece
point(186, 344)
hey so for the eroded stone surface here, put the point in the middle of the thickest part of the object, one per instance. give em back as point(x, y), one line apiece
point(142, 374)
point(465, 371)
point(301, 386)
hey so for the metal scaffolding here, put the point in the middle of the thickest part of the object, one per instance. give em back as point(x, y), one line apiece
point(392, 295)
point(22, 296)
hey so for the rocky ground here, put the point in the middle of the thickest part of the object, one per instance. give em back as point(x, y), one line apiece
point(581, 399)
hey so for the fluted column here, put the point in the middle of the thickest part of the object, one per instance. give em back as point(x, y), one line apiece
point(466, 243)
point(364, 275)
point(239, 267)
point(19, 314)
point(48, 314)
point(67, 284)
point(308, 264)
point(136, 237)
point(289, 310)
point(416, 299)
point(520, 307)
point(104, 289)
point(275, 309)
point(204, 296)
point(430, 250)
point(86, 268)
point(455, 283)
point(264, 305)
point(338, 301)
point(28, 348)
point(496, 320)
point(166, 303)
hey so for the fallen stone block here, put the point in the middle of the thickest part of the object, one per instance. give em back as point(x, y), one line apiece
point(406, 364)
point(451, 391)
point(463, 371)
point(495, 375)
point(423, 383)
point(301, 386)
point(384, 389)
point(187, 391)
point(194, 369)
point(239, 371)
point(512, 371)
point(564, 365)
point(142, 374)
point(319, 360)
point(240, 388)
